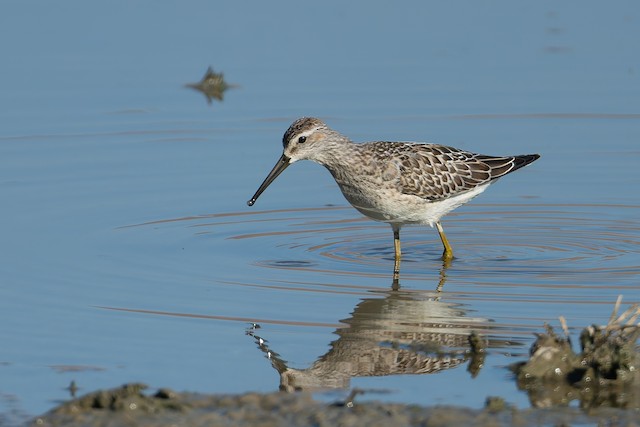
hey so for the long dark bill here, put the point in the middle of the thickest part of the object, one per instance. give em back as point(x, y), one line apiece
point(277, 170)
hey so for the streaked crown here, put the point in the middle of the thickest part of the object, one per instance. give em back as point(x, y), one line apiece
point(302, 127)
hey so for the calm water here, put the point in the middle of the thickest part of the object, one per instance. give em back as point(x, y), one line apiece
point(129, 254)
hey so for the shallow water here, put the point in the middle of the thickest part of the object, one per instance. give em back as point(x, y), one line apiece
point(129, 253)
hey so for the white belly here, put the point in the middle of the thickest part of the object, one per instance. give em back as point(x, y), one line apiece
point(392, 207)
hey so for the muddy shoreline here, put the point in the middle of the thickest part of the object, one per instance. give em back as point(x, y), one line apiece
point(133, 404)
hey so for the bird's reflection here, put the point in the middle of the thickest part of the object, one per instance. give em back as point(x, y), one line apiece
point(397, 332)
point(395, 284)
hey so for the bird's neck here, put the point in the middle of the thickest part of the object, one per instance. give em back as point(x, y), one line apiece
point(337, 154)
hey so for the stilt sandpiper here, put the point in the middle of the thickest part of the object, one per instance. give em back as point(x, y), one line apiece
point(395, 182)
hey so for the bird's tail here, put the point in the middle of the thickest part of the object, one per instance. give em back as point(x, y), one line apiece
point(501, 166)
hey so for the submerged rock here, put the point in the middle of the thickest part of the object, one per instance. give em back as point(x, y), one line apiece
point(212, 85)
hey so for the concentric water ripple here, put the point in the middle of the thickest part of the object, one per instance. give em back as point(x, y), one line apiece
point(548, 244)
point(541, 240)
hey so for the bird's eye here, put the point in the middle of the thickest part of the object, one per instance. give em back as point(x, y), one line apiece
point(302, 139)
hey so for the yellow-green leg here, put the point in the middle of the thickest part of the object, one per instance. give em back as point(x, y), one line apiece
point(447, 255)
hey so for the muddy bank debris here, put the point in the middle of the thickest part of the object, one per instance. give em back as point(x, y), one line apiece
point(603, 374)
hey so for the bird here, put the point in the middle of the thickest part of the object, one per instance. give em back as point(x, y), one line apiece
point(395, 182)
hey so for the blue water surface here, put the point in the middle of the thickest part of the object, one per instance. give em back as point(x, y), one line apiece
point(128, 251)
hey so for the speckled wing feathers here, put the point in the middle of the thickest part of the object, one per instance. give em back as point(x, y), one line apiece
point(436, 172)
